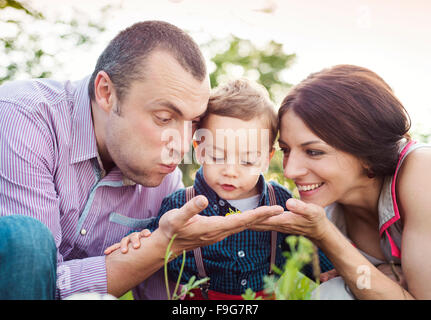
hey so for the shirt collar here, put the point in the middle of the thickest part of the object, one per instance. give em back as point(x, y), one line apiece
point(83, 140)
point(201, 187)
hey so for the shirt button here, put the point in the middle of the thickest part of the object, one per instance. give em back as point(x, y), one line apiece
point(241, 254)
point(83, 232)
point(243, 282)
point(215, 207)
point(221, 202)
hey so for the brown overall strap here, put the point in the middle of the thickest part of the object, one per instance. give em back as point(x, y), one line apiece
point(272, 202)
point(190, 193)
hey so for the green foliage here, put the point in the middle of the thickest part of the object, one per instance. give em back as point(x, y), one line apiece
point(20, 6)
point(190, 285)
point(291, 284)
point(250, 295)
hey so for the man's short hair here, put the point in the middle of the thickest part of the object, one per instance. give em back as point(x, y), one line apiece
point(124, 57)
point(243, 99)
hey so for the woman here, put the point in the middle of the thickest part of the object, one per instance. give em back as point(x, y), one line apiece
point(364, 184)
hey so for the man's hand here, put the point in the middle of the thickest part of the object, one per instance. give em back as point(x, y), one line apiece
point(194, 230)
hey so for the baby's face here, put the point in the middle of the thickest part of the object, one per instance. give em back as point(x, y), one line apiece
point(233, 153)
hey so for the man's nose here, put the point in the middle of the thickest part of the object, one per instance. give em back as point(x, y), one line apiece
point(294, 167)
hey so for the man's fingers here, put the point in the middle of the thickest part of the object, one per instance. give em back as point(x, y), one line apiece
point(191, 208)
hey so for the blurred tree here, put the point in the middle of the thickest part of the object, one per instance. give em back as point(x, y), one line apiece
point(30, 43)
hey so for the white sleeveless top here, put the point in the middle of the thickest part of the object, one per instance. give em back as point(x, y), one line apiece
point(390, 225)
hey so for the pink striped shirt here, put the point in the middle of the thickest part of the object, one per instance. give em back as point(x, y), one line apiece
point(49, 170)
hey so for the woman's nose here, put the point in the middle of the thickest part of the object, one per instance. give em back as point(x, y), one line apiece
point(294, 167)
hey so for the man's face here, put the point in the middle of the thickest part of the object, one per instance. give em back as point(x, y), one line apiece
point(139, 139)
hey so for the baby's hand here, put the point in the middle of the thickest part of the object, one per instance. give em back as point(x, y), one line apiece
point(124, 243)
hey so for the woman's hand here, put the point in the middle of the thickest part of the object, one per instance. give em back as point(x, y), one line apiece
point(306, 219)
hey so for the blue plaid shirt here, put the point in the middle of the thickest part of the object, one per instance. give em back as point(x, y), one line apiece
point(239, 261)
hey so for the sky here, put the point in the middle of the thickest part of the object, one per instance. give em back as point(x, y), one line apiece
point(390, 37)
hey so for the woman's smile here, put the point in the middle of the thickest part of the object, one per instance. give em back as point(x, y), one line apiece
point(308, 189)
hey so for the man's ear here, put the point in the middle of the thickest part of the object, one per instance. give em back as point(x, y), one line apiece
point(104, 92)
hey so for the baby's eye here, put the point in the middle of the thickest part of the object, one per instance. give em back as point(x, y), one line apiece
point(247, 163)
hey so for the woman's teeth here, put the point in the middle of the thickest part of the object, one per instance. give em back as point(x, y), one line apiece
point(309, 187)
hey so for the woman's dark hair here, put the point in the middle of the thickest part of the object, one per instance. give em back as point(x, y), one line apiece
point(354, 110)
point(124, 57)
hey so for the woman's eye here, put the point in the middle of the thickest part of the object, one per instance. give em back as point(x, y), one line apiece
point(314, 153)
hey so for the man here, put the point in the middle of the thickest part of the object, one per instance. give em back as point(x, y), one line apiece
point(86, 160)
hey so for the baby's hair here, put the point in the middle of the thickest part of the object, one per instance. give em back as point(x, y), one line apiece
point(245, 100)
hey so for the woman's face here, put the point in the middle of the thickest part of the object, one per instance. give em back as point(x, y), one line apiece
point(322, 173)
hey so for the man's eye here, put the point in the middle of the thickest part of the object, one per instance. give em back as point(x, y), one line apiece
point(163, 120)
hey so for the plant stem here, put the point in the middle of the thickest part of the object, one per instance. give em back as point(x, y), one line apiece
point(167, 256)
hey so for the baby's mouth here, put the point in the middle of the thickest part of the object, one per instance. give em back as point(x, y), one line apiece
point(228, 187)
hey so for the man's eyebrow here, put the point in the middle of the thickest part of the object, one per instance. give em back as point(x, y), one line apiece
point(170, 106)
point(174, 108)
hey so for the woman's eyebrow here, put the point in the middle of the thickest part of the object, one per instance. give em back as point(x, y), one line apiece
point(302, 144)
point(310, 142)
